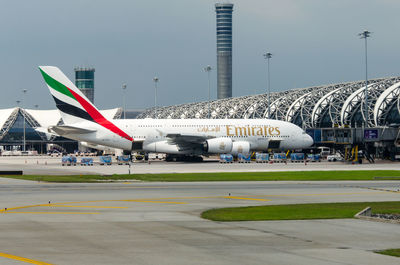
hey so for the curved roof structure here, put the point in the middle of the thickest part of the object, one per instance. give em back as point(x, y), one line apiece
point(7, 119)
point(40, 118)
point(4, 115)
point(332, 105)
point(386, 104)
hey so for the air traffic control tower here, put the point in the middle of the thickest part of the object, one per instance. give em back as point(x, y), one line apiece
point(224, 49)
point(84, 80)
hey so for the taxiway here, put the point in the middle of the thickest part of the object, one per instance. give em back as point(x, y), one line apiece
point(160, 223)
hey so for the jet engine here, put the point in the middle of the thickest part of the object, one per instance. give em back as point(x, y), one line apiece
point(161, 147)
point(240, 147)
point(218, 145)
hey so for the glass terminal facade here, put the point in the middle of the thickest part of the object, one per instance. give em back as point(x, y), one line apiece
point(84, 80)
point(12, 135)
point(224, 49)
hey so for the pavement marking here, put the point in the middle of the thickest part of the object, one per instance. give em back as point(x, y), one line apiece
point(162, 200)
point(319, 194)
point(378, 189)
point(152, 201)
point(31, 261)
point(65, 204)
point(128, 200)
point(241, 198)
point(20, 207)
point(187, 197)
point(88, 206)
point(108, 188)
point(55, 212)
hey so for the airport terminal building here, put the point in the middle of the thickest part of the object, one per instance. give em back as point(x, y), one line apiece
point(12, 129)
point(332, 114)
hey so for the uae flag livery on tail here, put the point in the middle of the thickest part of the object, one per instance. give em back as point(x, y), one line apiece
point(73, 105)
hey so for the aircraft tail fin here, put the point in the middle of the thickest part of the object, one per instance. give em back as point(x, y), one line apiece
point(73, 105)
point(70, 101)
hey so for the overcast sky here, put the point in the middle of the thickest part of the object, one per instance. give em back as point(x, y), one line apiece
point(313, 42)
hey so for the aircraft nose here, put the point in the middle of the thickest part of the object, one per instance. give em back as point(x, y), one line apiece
point(309, 140)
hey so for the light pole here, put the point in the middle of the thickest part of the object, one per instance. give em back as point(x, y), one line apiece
point(18, 101)
point(23, 105)
point(364, 35)
point(155, 79)
point(123, 98)
point(208, 70)
point(268, 56)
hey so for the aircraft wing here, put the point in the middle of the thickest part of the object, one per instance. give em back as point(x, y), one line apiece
point(178, 138)
point(186, 141)
point(65, 130)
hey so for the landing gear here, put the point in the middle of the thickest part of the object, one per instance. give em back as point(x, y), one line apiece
point(183, 158)
point(169, 158)
point(196, 159)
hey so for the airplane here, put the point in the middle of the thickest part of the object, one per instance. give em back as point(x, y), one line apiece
point(178, 138)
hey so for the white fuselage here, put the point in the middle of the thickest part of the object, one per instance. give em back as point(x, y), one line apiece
point(182, 136)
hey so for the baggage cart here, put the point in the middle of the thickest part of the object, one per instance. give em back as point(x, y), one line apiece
point(105, 160)
point(86, 161)
point(314, 157)
point(244, 158)
point(262, 157)
point(226, 158)
point(124, 160)
point(68, 161)
point(279, 158)
point(297, 157)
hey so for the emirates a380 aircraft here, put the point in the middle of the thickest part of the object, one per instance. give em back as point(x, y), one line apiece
point(175, 137)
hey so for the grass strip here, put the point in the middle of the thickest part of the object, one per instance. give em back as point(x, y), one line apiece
point(299, 211)
point(226, 176)
point(391, 252)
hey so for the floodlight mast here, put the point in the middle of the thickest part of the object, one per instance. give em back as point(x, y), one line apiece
point(23, 114)
point(364, 35)
point(123, 98)
point(155, 80)
point(268, 56)
point(19, 101)
point(208, 70)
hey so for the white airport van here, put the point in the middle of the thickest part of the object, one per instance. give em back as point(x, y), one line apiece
point(324, 151)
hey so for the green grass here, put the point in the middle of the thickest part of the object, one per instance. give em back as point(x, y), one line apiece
point(391, 252)
point(299, 211)
point(232, 176)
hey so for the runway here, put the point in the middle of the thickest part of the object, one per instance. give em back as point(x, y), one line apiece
point(159, 223)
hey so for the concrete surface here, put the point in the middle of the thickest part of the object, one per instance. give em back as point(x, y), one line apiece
point(159, 223)
point(52, 165)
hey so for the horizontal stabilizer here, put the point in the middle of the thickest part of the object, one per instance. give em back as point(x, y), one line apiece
point(65, 130)
point(45, 131)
